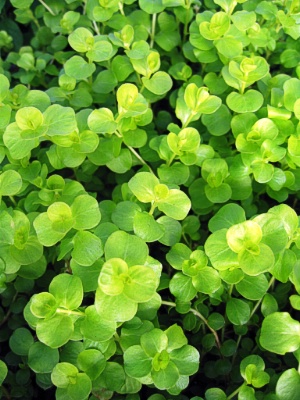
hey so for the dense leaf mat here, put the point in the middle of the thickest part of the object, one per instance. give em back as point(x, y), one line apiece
point(149, 187)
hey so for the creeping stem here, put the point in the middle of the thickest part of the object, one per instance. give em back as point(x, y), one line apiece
point(135, 153)
point(272, 280)
point(199, 315)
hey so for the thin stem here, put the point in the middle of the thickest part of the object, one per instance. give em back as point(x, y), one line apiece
point(142, 88)
point(118, 119)
point(199, 315)
point(121, 8)
point(191, 116)
point(36, 22)
point(272, 280)
point(153, 207)
point(186, 22)
point(103, 29)
point(47, 7)
point(171, 160)
point(5, 392)
point(84, 8)
point(237, 346)
point(7, 315)
point(243, 87)
point(96, 28)
point(13, 200)
point(230, 11)
point(152, 35)
point(133, 151)
point(139, 158)
point(168, 303)
point(236, 391)
point(186, 239)
point(69, 312)
point(139, 78)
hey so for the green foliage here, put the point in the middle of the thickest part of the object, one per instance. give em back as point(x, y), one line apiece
point(149, 190)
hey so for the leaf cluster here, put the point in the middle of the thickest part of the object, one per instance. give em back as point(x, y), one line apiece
point(149, 190)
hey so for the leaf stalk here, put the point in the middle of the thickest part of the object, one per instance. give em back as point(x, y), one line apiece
point(47, 8)
point(152, 35)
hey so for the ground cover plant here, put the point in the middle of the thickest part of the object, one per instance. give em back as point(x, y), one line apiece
point(149, 188)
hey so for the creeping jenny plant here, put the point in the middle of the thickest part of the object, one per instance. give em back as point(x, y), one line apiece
point(149, 189)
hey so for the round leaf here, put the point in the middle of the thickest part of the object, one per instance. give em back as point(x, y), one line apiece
point(145, 226)
point(228, 215)
point(117, 308)
point(143, 186)
point(60, 214)
point(102, 50)
point(136, 362)
point(43, 305)
point(81, 40)
point(186, 359)
point(177, 204)
point(87, 248)
point(207, 280)
point(81, 388)
point(29, 118)
point(288, 385)
point(129, 248)
point(280, 333)
point(165, 378)
point(18, 147)
point(3, 371)
point(255, 264)
point(113, 276)
point(59, 120)
point(151, 6)
point(102, 121)
point(42, 359)
point(47, 236)
point(63, 373)
point(67, 290)
point(10, 183)
point(86, 212)
point(160, 83)
point(218, 251)
point(92, 362)
point(182, 288)
point(20, 341)
point(253, 287)
point(237, 311)
point(76, 67)
point(95, 328)
point(250, 101)
point(56, 331)
point(142, 283)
